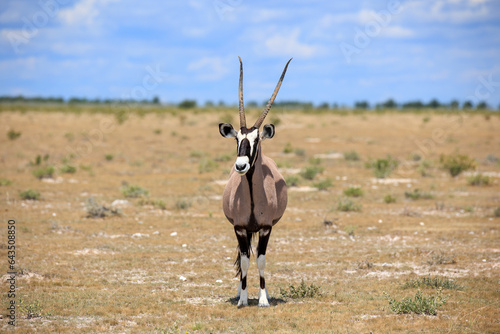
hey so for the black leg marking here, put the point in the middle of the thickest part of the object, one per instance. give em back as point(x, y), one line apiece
point(243, 244)
point(264, 235)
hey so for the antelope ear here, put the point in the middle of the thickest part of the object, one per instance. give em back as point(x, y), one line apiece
point(226, 130)
point(267, 132)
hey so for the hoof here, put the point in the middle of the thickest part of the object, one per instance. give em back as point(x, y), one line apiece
point(263, 305)
point(242, 303)
point(243, 298)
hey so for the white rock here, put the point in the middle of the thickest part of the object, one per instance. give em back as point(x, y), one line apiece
point(140, 235)
point(120, 203)
point(173, 234)
point(182, 278)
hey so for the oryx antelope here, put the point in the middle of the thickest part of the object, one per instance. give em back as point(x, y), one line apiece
point(255, 196)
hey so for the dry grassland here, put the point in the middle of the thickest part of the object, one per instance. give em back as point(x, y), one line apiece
point(166, 264)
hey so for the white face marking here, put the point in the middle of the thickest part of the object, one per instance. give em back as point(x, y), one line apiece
point(252, 136)
point(242, 164)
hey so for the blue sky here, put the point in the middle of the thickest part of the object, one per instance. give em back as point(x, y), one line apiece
point(343, 51)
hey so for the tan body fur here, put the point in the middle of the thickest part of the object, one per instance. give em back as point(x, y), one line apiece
point(269, 196)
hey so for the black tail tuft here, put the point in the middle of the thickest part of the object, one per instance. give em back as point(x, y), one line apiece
point(237, 262)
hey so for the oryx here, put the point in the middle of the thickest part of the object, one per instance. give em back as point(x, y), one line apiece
point(255, 196)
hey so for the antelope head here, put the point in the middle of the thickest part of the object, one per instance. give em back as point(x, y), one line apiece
point(248, 139)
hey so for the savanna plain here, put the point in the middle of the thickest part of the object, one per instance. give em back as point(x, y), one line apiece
point(119, 223)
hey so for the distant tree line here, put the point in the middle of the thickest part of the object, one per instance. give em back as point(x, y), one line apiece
point(291, 104)
point(74, 100)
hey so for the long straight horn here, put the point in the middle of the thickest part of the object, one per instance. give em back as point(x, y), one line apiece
point(243, 122)
point(259, 121)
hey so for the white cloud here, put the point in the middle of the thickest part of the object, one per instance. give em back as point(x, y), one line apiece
point(14, 12)
point(454, 11)
point(288, 44)
point(396, 32)
point(83, 12)
point(209, 68)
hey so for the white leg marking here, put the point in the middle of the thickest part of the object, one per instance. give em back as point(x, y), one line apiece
point(261, 264)
point(245, 263)
point(239, 290)
point(243, 298)
point(263, 296)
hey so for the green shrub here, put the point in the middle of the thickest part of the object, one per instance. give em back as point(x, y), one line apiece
point(423, 168)
point(121, 116)
point(187, 104)
point(496, 212)
point(300, 152)
point(439, 258)
point(12, 135)
point(353, 192)
point(346, 205)
point(310, 172)
point(416, 194)
point(323, 184)
point(97, 210)
point(383, 167)
point(301, 291)
point(131, 191)
point(432, 282)
point(457, 163)
point(350, 230)
point(223, 158)
point(197, 154)
point(109, 157)
point(420, 304)
point(157, 203)
point(351, 156)
point(315, 161)
point(44, 172)
point(479, 180)
point(68, 169)
point(275, 120)
point(30, 310)
point(389, 199)
point(5, 182)
point(292, 181)
point(207, 165)
point(30, 194)
point(288, 148)
point(183, 204)
point(39, 159)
